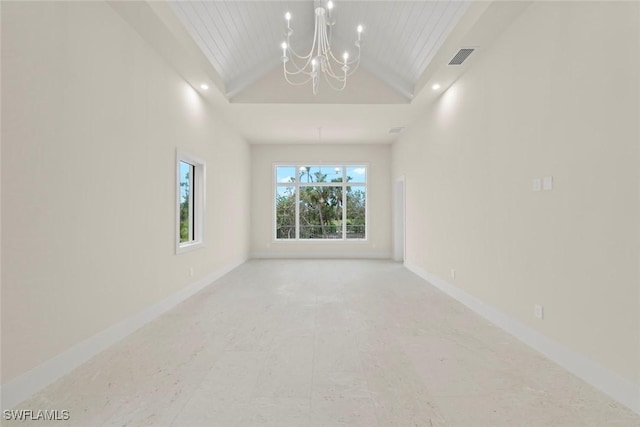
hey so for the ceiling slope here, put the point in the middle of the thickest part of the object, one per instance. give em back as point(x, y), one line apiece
point(241, 40)
point(365, 121)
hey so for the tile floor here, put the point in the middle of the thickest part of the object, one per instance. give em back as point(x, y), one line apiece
point(324, 343)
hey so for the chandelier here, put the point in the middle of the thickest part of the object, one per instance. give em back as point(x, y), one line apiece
point(302, 69)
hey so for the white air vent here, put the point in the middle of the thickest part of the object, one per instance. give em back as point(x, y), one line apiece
point(396, 130)
point(461, 56)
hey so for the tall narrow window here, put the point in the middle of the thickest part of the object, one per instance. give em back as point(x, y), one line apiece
point(186, 202)
point(190, 203)
point(320, 202)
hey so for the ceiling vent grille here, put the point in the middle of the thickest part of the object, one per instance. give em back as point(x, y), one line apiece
point(396, 130)
point(461, 56)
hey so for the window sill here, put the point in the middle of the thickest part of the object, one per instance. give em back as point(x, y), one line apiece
point(322, 241)
point(188, 247)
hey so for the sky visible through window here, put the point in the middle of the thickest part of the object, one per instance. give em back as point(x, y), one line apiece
point(287, 174)
point(184, 180)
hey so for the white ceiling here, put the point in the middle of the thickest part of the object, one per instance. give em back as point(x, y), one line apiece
point(267, 110)
point(241, 39)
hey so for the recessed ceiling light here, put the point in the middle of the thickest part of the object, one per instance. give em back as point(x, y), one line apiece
point(204, 86)
point(435, 86)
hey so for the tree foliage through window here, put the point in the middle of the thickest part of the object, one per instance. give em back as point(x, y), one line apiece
point(186, 202)
point(322, 193)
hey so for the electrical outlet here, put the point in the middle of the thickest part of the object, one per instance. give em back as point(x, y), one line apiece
point(453, 273)
point(538, 311)
point(191, 271)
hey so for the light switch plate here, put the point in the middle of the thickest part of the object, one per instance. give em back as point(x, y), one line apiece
point(547, 183)
point(537, 186)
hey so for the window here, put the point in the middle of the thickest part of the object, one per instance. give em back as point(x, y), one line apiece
point(190, 202)
point(320, 202)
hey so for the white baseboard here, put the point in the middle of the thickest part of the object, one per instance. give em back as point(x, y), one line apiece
point(320, 255)
point(15, 391)
point(610, 383)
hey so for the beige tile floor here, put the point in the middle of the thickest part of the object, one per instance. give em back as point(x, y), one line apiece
point(324, 343)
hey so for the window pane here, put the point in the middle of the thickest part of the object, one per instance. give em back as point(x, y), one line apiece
point(320, 212)
point(310, 174)
point(285, 174)
point(285, 213)
point(356, 212)
point(186, 202)
point(356, 174)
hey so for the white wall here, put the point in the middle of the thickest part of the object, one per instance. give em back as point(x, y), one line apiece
point(558, 94)
point(263, 158)
point(91, 120)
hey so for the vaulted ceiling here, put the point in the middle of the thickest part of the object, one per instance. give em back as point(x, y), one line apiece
point(233, 47)
point(241, 40)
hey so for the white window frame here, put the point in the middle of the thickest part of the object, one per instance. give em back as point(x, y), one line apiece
point(296, 185)
point(197, 195)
